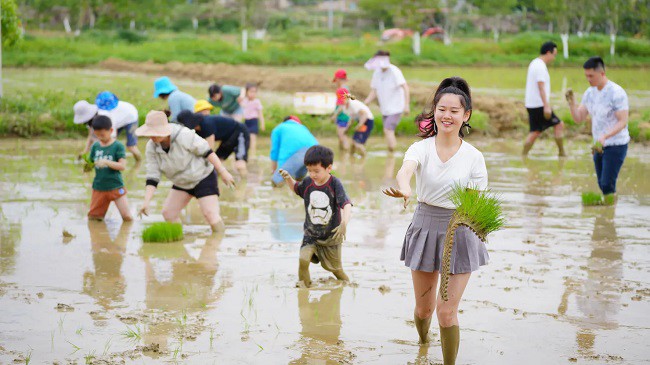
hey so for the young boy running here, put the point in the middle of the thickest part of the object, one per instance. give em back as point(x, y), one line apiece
point(328, 211)
point(109, 157)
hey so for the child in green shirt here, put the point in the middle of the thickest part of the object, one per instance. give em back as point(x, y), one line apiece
point(109, 157)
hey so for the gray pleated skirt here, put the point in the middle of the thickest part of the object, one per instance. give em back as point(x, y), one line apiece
point(424, 241)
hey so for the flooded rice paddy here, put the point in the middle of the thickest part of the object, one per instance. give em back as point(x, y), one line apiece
point(565, 284)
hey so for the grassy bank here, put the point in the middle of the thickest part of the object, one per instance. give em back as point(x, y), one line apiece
point(297, 48)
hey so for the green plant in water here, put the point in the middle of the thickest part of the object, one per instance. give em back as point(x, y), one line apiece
point(478, 210)
point(163, 232)
point(590, 198)
point(133, 334)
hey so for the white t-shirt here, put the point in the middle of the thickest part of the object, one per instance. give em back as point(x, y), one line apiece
point(435, 179)
point(354, 107)
point(123, 114)
point(388, 86)
point(602, 105)
point(537, 71)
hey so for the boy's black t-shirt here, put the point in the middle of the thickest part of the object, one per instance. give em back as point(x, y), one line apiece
point(220, 127)
point(323, 206)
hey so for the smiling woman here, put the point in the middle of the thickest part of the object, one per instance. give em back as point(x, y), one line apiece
point(441, 161)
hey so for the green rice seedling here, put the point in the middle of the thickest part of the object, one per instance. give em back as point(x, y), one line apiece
point(590, 198)
point(28, 356)
point(609, 199)
point(75, 347)
point(597, 147)
point(163, 232)
point(478, 210)
point(133, 334)
point(88, 163)
point(107, 346)
point(89, 357)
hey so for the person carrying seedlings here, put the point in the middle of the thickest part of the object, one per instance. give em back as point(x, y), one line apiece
point(290, 140)
point(342, 120)
point(360, 112)
point(538, 100)
point(607, 103)
point(227, 98)
point(233, 136)
point(392, 92)
point(188, 161)
point(177, 100)
point(327, 213)
point(109, 158)
point(441, 161)
point(253, 116)
point(124, 117)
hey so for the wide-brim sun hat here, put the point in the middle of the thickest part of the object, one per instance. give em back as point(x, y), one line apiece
point(106, 100)
point(163, 85)
point(155, 125)
point(83, 111)
point(202, 105)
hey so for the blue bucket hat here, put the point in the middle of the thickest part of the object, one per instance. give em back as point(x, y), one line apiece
point(163, 85)
point(106, 100)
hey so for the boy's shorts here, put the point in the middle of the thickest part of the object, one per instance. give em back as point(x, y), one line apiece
point(362, 136)
point(131, 138)
point(238, 142)
point(328, 256)
point(206, 187)
point(295, 166)
point(391, 121)
point(100, 201)
point(253, 125)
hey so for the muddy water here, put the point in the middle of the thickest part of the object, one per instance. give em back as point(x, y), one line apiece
point(565, 284)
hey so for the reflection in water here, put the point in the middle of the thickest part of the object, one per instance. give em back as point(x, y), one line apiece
point(321, 326)
point(10, 235)
point(106, 284)
point(287, 224)
point(543, 179)
point(179, 281)
point(598, 295)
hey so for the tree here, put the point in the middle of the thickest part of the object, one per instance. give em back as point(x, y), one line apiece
point(10, 23)
point(497, 11)
point(558, 10)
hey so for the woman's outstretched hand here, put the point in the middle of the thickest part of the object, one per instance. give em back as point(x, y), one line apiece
point(396, 193)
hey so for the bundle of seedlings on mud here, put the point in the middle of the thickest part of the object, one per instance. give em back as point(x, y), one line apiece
point(590, 199)
point(480, 211)
point(88, 164)
point(163, 232)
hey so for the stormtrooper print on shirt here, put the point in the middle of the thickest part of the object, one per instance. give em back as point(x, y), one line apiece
point(323, 206)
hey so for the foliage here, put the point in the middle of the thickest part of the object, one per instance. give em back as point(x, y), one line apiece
point(10, 23)
point(163, 232)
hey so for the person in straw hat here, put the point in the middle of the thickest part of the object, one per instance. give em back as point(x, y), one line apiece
point(188, 161)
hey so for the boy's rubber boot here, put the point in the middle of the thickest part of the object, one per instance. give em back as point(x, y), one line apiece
point(560, 146)
point(527, 147)
point(450, 339)
point(422, 325)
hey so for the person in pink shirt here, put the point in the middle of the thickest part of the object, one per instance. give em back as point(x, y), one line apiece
point(253, 117)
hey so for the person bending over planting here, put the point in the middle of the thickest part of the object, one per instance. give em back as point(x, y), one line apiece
point(109, 158)
point(188, 161)
point(327, 213)
point(233, 137)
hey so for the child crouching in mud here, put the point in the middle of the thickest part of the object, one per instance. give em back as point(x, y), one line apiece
point(328, 211)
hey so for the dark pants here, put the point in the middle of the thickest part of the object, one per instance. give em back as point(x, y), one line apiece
point(608, 165)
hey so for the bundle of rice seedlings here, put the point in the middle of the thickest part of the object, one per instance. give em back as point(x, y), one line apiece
point(88, 164)
point(591, 198)
point(163, 232)
point(597, 147)
point(480, 211)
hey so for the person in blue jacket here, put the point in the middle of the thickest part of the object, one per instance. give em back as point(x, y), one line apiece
point(289, 142)
point(176, 99)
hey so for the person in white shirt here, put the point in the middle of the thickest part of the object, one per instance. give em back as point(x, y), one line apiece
point(124, 117)
point(608, 105)
point(538, 100)
point(392, 92)
point(440, 161)
point(356, 111)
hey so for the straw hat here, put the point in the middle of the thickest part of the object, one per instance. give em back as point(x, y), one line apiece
point(202, 105)
point(83, 111)
point(155, 125)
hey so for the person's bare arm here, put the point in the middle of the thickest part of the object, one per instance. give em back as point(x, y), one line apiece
point(363, 118)
point(89, 141)
point(371, 97)
point(291, 182)
point(148, 195)
point(407, 99)
point(274, 166)
point(579, 113)
point(226, 177)
point(621, 117)
point(119, 165)
point(542, 94)
point(404, 176)
point(262, 122)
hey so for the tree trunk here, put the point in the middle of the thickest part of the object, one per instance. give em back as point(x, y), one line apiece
point(565, 44)
point(195, 23)
point(550, 27)
point(382, 27)
point(244, 40)
point(495, 34)
point(416, 43)
point(91, 24)
point(132, 24)
point(612, 38)
point(66, 24)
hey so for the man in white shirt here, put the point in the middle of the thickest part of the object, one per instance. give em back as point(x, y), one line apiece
point(389, 87)
point(608, 105)
point(538, 103)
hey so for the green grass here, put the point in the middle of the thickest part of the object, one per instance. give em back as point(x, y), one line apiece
point(481, 208)
point(163, 232)
point(298, 47)
point(591, 198)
